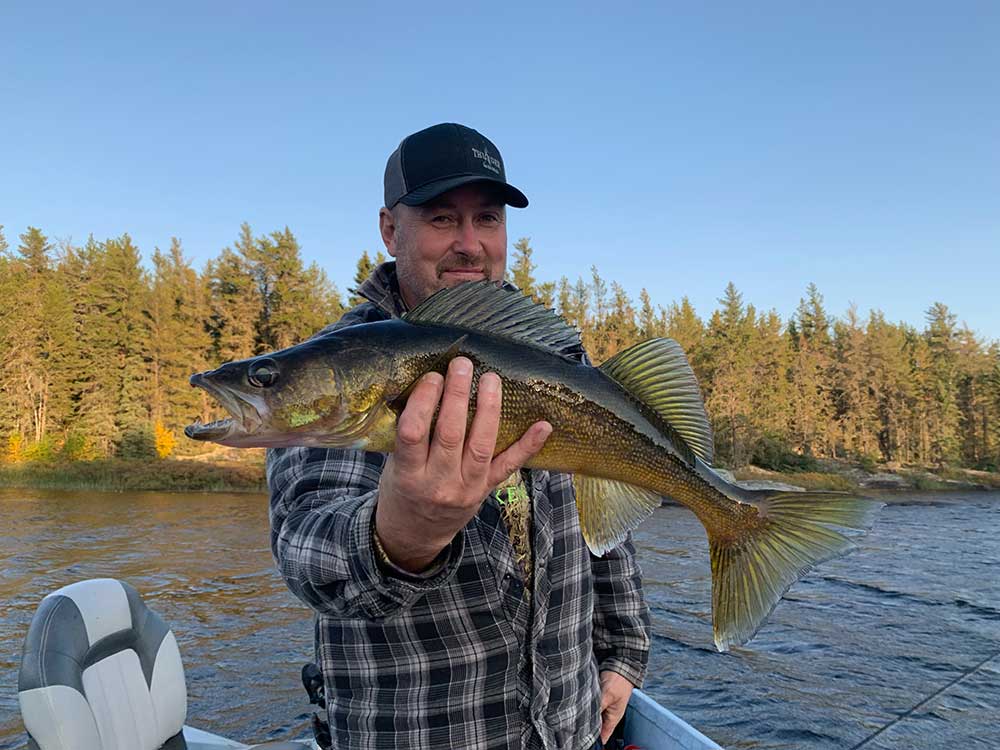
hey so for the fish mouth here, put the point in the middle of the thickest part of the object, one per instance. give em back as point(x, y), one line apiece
point(246, 414)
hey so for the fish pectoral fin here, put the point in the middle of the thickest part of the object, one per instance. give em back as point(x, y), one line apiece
point(610, 509)
point(788, 536)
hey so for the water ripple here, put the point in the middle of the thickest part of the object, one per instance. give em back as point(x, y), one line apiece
point(858, 647)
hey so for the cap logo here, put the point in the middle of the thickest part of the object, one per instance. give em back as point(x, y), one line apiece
point(489, 161)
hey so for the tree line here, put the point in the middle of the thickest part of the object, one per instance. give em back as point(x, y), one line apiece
point(97, 351)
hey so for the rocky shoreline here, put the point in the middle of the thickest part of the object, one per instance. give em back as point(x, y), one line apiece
point(845, 476)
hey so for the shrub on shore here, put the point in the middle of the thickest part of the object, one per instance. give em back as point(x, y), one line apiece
point(117, 474)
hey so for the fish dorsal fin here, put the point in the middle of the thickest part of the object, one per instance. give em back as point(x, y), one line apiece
point(657, 373)
point(485, 307)
point(610, 509)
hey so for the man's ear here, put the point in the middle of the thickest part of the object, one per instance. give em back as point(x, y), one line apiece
point(387, 228)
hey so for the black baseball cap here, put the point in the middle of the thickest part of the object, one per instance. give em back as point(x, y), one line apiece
point(443, 157)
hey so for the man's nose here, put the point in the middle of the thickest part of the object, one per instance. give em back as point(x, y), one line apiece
point(467, 241)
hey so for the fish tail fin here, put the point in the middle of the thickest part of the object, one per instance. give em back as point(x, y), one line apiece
point(790, 533)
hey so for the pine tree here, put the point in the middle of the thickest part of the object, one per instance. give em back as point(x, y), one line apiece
point(812, 419)
point(123, 293)
point(649, 325)
point(10, 425)
point(297, 302)
point(974, 401)
point(729, 370)
point(34, 340)
point(234, 300)
point(521, 272)
point(991, 429)
point(179, 341)
point(852, 395)
point(620, 329)
point(92, 427)
point(889, 381)
point(59, 344)
point(36, 251)
point(684, 326)
point(579, 305)
point(545, 294)
point(325, 304)
point(770, 393)
point(594, 327)
point(365, 267)
point(564, 303)
point(941, 394)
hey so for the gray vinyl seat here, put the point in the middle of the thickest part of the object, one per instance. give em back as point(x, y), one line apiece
point(102, 671)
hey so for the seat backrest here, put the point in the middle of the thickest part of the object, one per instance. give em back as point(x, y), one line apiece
point(101, 671)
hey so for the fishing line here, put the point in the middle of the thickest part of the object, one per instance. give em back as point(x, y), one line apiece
point(926, 700)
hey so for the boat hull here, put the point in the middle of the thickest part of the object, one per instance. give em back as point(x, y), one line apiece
point(648, 726)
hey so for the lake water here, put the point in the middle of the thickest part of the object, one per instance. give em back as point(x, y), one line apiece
point(894, 646)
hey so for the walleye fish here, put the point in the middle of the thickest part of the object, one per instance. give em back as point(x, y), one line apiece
point(630, 431)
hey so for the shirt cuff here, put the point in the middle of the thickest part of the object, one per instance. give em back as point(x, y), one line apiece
point(632, 671)
point(389, 568)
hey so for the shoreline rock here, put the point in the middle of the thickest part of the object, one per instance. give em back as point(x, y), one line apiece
point(759, 484)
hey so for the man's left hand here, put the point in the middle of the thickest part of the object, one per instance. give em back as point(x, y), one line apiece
point(615, 692)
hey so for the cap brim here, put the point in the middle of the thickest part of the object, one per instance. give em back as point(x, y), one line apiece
point(417, 197)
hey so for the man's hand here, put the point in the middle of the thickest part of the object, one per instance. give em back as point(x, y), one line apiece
point(433, 484)
point(615, 692)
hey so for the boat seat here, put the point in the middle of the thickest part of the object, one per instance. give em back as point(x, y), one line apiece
point(101, 671)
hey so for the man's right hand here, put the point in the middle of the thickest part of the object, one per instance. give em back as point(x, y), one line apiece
point(433, 484)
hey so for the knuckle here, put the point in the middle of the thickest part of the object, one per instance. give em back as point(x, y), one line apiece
point(480, 452)
point(411, 430)
point(440, 497)
point(448, 437)
point(458, 391)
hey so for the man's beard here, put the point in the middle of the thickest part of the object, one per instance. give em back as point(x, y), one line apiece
point(464, 263)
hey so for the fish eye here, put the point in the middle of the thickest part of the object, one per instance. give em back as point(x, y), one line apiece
point(263, 373)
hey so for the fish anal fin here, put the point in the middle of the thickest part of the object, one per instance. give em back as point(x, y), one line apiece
point(610, 509)
point(657, 373)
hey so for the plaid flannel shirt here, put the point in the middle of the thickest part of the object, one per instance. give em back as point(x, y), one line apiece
point(462, 658)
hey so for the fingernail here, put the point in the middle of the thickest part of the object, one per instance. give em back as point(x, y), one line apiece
point(433, 377)
point(461, 366)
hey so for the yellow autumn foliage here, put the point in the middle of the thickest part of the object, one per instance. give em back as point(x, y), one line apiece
point(15, 449)
point(165, 440)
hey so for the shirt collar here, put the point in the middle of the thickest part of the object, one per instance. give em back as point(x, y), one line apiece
point(382, 290)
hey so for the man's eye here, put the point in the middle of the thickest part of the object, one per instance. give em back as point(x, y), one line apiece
point(490, 218)
point(441, 220)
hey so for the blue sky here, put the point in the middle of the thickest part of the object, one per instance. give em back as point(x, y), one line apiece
point(677, 146)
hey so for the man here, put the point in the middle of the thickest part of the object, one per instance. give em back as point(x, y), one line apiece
point(450, 615)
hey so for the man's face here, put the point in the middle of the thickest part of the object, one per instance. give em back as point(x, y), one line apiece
point(459, 236)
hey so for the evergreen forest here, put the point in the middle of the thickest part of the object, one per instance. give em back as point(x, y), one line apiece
point(97, 349)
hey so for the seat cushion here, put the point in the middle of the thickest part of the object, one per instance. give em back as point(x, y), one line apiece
point(100, 671)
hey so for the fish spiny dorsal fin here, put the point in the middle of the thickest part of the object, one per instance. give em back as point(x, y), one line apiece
point(657, 373)
point(485, 307)
point(610, 509)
